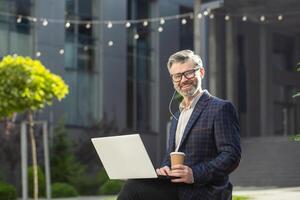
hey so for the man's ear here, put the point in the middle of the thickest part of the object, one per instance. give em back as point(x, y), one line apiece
point(202, 72)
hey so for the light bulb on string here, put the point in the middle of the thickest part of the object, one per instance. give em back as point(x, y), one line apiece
point(68, 24)
point(61, 51)
point(127, 24)
point(162, 21)
point(227, 17)
point(136, 36)
point(34, 19)
point(110, 43)
point(45, 22)
point(145, 23)
point(109, 25)
point(160, 29)
point(183, 21)
point(211, 16)
point(85, 48)
point(88, 26)
point(199, 15)
point(19, 19)
point(244, 18)
point(38, 54)
point(262, 18)
point(205, 13)
point(280, 17)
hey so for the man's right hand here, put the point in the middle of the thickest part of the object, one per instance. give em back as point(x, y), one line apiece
point(164, 171)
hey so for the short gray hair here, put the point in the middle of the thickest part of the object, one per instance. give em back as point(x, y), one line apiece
point(184, 56)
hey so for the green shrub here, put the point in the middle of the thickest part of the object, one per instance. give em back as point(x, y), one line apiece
point(63, 190)
point(65, 168)
point(111, 187)
point(41, 181)
point(240, 198)
point(7, 191)
point(102, 176)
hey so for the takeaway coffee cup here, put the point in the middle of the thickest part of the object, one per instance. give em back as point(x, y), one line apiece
point(177, 158)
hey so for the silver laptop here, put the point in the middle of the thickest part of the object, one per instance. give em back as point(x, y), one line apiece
point(124, 157)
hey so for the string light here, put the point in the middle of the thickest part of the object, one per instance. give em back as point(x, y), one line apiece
point(88, 26)
point(145, 23)
point(85, 48)
point(136, 36)
point(33, 19)
point(110, 43)
point(67, 24)
point(109, 25)
point(19, 19)
point(160, 29)
point(128, 24)
point(45, 22)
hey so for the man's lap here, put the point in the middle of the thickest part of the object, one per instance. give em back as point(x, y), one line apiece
point(158, 189)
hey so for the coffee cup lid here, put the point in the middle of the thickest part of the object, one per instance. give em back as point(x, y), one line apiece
point(176, 152)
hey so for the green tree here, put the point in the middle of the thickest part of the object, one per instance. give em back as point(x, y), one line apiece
point(297, 136)
point(26, 86)
point(65, 168)
point(298, 69)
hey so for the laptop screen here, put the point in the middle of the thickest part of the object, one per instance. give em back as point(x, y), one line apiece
point(124, 157)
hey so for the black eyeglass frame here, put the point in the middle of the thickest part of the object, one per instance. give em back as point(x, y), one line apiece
point(185, 74)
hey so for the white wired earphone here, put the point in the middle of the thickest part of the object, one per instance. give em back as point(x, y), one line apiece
point(170, 103)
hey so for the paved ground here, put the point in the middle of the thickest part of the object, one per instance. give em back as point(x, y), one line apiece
point(291, 193)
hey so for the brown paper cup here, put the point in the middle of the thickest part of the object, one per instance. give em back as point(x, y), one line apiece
point(177, 158)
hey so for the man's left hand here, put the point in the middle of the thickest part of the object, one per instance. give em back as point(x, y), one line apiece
point(184, 174)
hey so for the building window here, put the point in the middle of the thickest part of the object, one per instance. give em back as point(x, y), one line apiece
point(138, 68)
point(81, 74)
point(15, 31)
point(283, 52)
point(186, 30)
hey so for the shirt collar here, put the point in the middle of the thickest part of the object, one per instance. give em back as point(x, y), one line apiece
point(193, 104)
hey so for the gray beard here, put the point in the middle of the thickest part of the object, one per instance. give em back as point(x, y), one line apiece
point(189, 93)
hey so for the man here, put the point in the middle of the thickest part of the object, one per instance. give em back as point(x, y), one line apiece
point(206, 129)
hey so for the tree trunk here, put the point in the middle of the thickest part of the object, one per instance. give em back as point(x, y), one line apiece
point(34, 156)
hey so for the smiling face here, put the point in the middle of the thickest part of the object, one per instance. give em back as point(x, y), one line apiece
point(191, 77)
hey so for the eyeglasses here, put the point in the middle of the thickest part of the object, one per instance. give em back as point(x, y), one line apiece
point(187, 74)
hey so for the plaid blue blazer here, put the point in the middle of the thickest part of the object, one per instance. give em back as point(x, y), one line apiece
point(211, 142)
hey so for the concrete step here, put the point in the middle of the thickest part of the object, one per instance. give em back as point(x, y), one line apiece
point(268, 161)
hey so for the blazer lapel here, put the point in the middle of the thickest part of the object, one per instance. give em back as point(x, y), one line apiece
point(201, 104)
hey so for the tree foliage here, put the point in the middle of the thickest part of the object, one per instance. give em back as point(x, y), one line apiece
point(65, 167)
point(26, 84)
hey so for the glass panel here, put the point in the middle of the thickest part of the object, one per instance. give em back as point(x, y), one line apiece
point(138, 68)
point(81, 74)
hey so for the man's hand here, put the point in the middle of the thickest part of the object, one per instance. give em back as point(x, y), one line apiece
point(184, 174)
point(163, 171)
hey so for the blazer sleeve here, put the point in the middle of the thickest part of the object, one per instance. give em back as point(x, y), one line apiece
point(227, 141)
